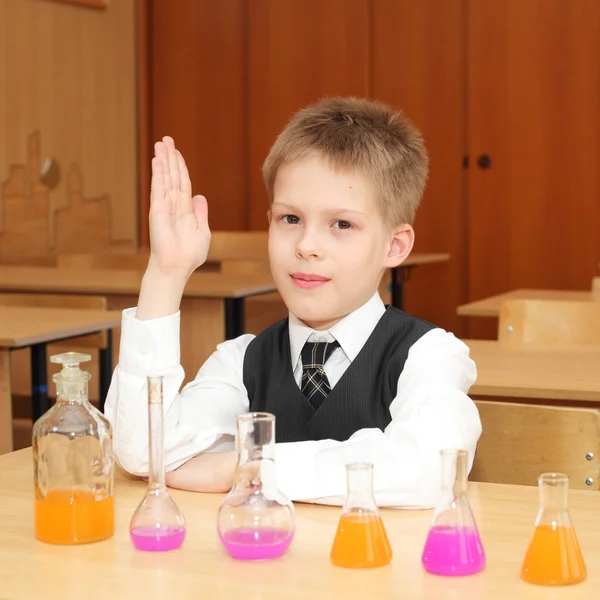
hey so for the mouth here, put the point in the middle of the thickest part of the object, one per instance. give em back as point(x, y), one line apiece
point(308, 280)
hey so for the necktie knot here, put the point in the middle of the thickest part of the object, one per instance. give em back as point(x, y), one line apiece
point(315, 354)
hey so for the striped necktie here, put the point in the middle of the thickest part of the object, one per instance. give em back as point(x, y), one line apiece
point(315, 385)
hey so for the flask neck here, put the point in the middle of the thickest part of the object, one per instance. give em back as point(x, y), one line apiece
point(72, 392)
point(359, 477)
point(553, 490)
point(156, 475)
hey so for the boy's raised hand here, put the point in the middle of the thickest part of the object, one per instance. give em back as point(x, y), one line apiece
point(179, 232)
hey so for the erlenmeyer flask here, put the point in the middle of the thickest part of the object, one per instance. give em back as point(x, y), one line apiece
point(453, 546)
point(255, 520)
point(553, 556)
point(157, 523)
point(360, 540)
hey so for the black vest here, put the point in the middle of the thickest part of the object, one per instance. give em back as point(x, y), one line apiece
point(360, 399)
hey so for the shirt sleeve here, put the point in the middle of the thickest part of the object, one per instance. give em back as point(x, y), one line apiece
point(200, 418)
point(430, 412)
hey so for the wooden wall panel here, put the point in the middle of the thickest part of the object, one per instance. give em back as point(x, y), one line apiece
point(299, 51)
point(418, 66)
point(534, 98)
point(199, 98)
point(67, 73)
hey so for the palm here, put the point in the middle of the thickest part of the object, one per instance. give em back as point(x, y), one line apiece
point(179, 231)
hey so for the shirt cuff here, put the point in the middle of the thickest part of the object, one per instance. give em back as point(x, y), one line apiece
point(150, 347)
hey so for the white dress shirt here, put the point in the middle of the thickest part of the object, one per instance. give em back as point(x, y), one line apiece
point(430, 412)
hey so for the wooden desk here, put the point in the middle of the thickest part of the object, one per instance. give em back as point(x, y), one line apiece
point(114, 569)
point(402, 274)
point(568, 374)
point(212, 308)
point(490, 307)
point(22, 327)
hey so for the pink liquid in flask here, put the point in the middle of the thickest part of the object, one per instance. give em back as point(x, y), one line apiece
point(157, 539)
point(453, 551)
point(256, 544)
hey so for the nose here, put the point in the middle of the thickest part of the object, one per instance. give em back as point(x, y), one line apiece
point(308, 245)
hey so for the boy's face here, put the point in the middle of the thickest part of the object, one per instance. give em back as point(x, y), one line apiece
point(328, 242)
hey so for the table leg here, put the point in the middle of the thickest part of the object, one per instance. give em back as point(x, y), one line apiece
point(6, 425)
point(39, 381)
point(234, 318)
point(105, 372)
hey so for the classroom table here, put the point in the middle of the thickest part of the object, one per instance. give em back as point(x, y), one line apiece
point(569, 374)
point(402, 273)
point(201, 569)
point(212, 308)
point(34, 327)
point(490, 307)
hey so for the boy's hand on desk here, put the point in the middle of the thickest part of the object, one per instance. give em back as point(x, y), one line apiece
point(204, 473)
point(179, 231)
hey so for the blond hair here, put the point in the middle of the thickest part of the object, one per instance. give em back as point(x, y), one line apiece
point(355, 133)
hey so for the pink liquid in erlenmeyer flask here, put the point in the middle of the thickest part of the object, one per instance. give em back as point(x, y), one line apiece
point(453, 551)
point(157, 539)
point(256, 544)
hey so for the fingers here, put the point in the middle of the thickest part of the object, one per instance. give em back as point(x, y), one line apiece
point(185, 184)
point(172, 162)
point(157, 185)
point(200, 210)
point(160, 151)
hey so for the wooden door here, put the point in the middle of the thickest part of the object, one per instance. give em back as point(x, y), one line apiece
point(534, 143)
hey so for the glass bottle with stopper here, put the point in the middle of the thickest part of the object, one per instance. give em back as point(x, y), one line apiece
point(157, 524)
point(73, 462)
point(361, 540)
point(255, 520)
point(453, 546)
point(554, 556)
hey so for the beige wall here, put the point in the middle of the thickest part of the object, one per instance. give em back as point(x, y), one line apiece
point(68, 73)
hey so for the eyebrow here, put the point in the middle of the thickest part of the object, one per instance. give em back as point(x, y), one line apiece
point(335, 211)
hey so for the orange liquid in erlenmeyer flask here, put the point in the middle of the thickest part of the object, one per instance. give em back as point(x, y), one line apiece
point(553, 557)
point(361, 542)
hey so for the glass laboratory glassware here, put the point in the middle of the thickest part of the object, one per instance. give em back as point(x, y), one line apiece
point(73, 462)
point(255, 520)
point(453, 546)
point(157, 524)
point(361, 540)
point(554, 556)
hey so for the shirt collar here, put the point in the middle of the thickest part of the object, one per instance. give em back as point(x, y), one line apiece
point(351, 332)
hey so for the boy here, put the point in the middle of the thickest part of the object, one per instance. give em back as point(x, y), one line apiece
point(347, 379)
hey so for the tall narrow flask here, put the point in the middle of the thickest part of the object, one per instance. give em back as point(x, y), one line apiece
point(157, 523)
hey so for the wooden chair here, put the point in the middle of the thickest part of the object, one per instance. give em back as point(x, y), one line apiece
point(102, 340)
point(549, 322)
point(521, 441)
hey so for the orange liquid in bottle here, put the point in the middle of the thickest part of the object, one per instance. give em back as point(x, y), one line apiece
point(553, 557)
point(73, 517)
point(361, 542)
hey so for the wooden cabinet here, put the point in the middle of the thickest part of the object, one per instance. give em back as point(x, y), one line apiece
point(515, 81)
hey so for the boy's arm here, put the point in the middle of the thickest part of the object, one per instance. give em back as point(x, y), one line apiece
point(200, 418)
point(430, 412)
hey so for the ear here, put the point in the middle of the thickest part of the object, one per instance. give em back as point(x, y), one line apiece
point(269, 215)
point(401, 244)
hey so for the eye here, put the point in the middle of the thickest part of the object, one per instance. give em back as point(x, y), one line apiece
point(342, 225)
point(290, 219)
